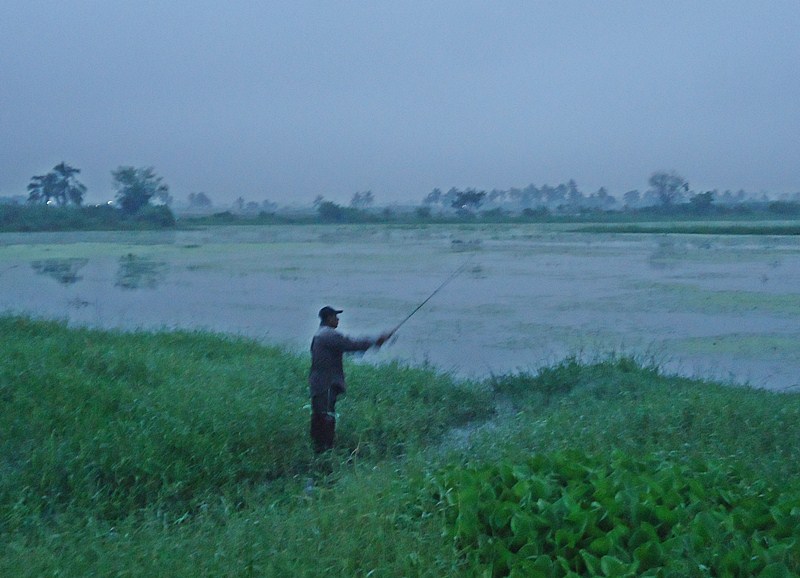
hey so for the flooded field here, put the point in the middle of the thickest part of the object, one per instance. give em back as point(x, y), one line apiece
point(712, 306)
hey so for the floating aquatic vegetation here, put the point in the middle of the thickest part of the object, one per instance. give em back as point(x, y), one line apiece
point(78, 303)
point(65, 271)
point(139, 272)
point(477, 272)
point(458, 246)
point(666, 256)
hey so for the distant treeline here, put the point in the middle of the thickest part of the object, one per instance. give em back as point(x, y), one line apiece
point(667, 190)
point(39, 217)
point(55, 203)
point(329, 212)
point(31, 218)
point(667, 194)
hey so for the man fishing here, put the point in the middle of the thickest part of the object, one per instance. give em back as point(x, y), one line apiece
point(326, 378)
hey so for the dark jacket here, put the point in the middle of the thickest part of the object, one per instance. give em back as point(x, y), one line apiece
point(327, 349)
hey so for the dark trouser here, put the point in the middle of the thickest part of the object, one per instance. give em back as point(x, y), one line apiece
point(323, 420)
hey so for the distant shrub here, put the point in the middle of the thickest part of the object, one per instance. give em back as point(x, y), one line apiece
point(423, 212)
point(224, 217)
point(493, 214)
point(537, 213)
point(331, 212)
point(159, 215)
point(784, 207)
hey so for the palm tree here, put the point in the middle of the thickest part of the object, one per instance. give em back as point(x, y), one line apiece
point(42, 188)
point(59, 185)
point(68, 188)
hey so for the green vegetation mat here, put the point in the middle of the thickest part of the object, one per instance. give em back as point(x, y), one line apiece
point(187, 454)
point(694, 229)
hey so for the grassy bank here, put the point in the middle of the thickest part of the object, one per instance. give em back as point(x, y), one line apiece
point(186, 454)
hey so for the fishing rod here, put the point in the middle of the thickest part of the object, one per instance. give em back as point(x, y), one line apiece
point(452, 276)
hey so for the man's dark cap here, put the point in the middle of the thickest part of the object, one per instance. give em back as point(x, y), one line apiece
point(327, 311)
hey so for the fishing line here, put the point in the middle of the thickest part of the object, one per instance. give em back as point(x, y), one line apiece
point(452, 276)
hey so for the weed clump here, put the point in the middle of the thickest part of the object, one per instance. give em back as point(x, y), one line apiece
point(570, 514)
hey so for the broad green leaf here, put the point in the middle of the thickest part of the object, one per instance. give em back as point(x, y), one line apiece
point(776, 570)
point(522, 490)
point(612, 566)
point(601, 546)
point(649, 554)
point(531, 549)
point(544, 563)
point(467, 528)
point(500, 517)
point(526, 569)
point(523, 527)
point(565, 537)
point(666, 515)
point(592, 562)
point(644, 533)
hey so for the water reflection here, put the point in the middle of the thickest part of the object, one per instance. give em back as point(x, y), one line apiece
point(78, 303)
point(139, 272)
point(65, 271)
point(666, 256)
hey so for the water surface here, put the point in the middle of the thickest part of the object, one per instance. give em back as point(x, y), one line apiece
point(713, 306)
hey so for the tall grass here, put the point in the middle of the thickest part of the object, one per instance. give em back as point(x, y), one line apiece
point(187, 454)
point(114, 422)
point(621, 404)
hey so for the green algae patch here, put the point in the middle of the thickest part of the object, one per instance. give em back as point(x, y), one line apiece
point(761, 347)
point(688, 297)
point(537, 335)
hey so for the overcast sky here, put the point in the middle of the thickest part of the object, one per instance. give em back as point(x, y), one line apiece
point(289, 100)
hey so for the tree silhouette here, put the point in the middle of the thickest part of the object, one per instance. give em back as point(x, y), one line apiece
point(59, 185)
point(362, 200)
point(41, 188)
point(702, 203)
point(470, 199)
point(434, 197)
point(330, 212)
point(136, 186)
point(668, 187)
point(199, 200)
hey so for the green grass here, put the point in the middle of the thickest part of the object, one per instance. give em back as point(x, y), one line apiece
point(187, 454)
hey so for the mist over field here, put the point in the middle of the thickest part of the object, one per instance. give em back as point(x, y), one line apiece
point(282, 102)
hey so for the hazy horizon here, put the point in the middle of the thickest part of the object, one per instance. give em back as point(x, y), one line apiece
point(284, 101)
